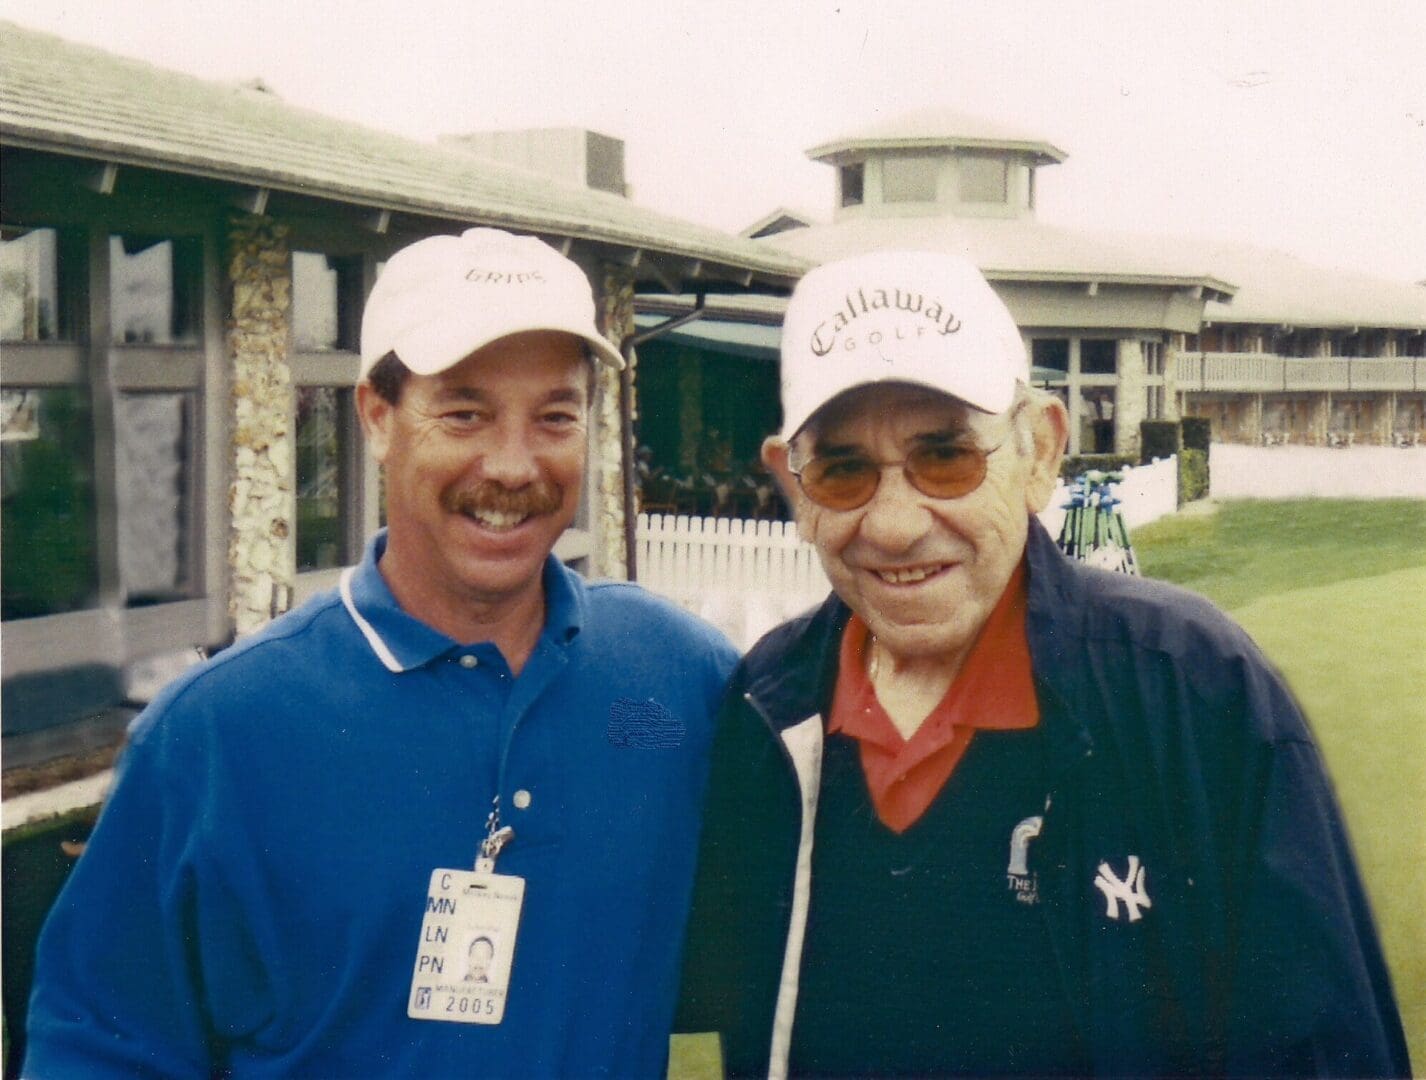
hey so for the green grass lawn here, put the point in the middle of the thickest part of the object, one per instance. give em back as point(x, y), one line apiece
point(1248, 549)
point(1334, 592)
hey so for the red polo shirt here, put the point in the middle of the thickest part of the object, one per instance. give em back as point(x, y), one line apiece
point(993, 690)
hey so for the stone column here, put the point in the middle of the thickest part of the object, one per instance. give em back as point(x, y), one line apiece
point(1383, 407)
point(1172, 348)
point(261, 502)
point(1320, 419)
point(615, 299)
point(1130, 398)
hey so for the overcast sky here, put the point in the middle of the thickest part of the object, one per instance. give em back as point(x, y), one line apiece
point(1287, 123)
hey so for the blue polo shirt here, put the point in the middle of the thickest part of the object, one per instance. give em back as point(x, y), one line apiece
point(252, 896)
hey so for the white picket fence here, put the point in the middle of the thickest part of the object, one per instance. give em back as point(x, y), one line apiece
point(745, 577)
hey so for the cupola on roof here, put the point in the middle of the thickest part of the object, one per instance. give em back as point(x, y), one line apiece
point(938, 128)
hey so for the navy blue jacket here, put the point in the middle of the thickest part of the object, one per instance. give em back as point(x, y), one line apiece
point(1171, 741)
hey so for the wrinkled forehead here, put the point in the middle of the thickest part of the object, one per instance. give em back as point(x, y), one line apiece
point(903, 410)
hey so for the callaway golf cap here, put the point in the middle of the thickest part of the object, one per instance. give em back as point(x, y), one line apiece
point(442, 298)
point(917, 317)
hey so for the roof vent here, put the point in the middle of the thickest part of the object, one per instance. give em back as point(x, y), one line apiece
point(574, 156)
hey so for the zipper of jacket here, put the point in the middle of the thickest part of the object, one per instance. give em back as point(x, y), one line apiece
point(780, 1045)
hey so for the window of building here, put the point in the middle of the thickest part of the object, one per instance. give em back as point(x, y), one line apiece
point(326, 303)
point(908, 179)
point(1025, 185)
point(47, 514)
point(1096, 420)
point(153, 464)
point(325, 426)
point(314, 302)
point(30, 308)
point(1051, 353)
point(1098, 357)
point(852, 181)
point(1153, 403)
point(326, 320)
point(154, 290)
point(1153, 358)
point(89, 518)
point(983, 179)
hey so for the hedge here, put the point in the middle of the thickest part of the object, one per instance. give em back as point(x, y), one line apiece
point(1072, 466)
point(1197, 432)
point(1158, 439)
point(1192, 475)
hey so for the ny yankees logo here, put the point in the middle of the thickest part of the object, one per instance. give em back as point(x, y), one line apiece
point(1129, 890)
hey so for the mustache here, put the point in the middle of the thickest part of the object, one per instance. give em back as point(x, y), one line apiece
point(541, 497)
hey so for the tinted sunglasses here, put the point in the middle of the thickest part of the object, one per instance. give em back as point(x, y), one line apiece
point(942, 470)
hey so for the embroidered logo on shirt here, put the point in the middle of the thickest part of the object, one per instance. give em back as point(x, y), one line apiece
point(1018, 879)
point(1129, 890)
point(643, 725)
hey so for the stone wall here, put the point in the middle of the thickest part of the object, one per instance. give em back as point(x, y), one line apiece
point(261, 502)
point(615, 297)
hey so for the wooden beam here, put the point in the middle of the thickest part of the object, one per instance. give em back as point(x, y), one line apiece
point(103, 178)
point(252, 200)
point(666, 273)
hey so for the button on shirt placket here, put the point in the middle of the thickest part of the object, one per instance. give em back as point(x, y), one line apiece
point(525, 752)
point(482, 695)
point(509, 760)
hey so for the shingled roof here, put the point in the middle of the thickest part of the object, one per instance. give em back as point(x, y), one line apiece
point(1278, 288)
point(1012, 250)
point(69, 99)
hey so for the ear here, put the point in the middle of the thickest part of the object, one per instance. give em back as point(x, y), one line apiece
point(375, 414)
point(1050, 431)
point(775, 455)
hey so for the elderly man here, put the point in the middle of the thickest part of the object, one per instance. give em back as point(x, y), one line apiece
point(988, 811)
point(464, 742)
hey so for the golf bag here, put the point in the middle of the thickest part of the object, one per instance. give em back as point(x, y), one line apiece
point(1094, 531)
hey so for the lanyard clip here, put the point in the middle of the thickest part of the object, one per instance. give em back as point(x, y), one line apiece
point(490, 848)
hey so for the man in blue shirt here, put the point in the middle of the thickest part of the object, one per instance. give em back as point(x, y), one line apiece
point(463, 743)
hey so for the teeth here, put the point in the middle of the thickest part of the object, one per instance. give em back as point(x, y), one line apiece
point(498, 519)
point(908, 576)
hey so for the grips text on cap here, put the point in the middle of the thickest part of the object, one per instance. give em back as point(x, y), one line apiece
point(440, 299)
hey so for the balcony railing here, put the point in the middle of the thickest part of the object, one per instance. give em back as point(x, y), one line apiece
point(1266, 373)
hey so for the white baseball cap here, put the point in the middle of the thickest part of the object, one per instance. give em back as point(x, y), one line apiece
point(919, 317)
point(442, 298)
